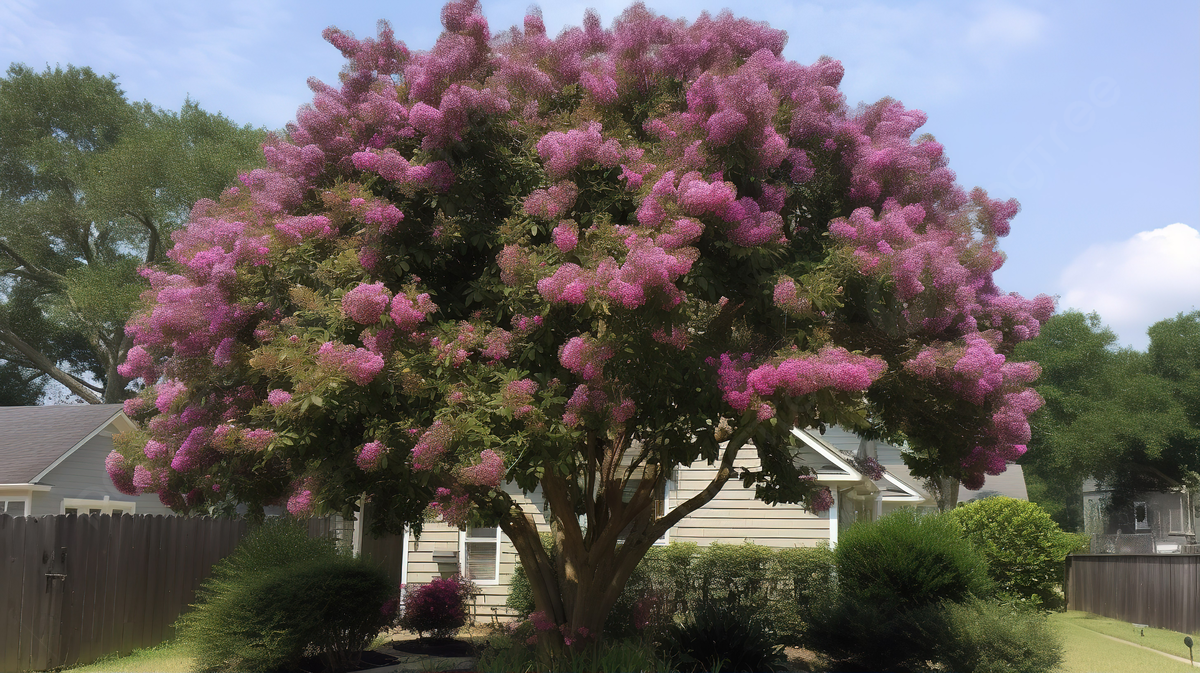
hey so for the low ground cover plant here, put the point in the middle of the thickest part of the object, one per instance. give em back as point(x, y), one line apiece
point(282, 596)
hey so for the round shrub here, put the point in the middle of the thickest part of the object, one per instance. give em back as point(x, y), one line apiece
point(1023, 546)
point(907, 559)
point(282, 595)
point(438, 608)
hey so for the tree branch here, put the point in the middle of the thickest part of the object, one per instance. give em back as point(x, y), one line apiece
point(40, 361)
point(35, 272)
point(153, 243)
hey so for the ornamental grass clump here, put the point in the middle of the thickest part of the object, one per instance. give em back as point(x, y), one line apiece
point(437, 609)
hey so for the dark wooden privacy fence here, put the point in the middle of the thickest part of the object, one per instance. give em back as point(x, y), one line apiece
point(1162, 590)
point(75, 588)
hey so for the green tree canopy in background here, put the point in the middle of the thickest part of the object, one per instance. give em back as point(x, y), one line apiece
point(90, 187)
point(1111, 412)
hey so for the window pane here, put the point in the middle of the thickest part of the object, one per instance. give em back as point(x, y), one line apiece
point(71, 510)
point(16, 508)
point(489, 533)
point(117, 512)
point(93, 511)
point(481, 561)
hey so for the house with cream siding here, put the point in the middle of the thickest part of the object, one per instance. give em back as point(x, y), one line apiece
point(52, 462)
point(734, 516)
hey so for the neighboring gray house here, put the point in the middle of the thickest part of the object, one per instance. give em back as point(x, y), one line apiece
point(1161, 519)
point(52, 462)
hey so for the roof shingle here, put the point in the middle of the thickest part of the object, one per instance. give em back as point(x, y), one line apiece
point(31, 438)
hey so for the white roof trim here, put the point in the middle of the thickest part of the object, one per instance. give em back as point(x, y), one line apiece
point(848, 472)
point(117, 417)
point(912, 494)
point(25, 487)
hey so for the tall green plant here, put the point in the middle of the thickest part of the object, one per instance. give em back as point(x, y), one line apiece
point(1022, 545)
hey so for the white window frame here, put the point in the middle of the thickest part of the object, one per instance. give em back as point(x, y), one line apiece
point(105, 506)
point(668, 484)
point(27, 501)
point(463, 566)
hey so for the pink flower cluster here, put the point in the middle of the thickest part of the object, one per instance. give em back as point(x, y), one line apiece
point(366, 303)
point(788, 299)
point(562, 152)
point(741, 382)
point(583, 400)
point(302, 503)
point(277, 398)
point(551, 203)
point(391, 165)
point(258, 439)
point(820, 500)
point(138, 364)
point(119, 473)
point(496, 345)
point(518, 396)
point(358, 364)
point(450, 507)
point(489, 471)
point(647, 269)
point(370, 455)
point(432, 444)
point(585, 357)
point(566, 236)
point(408, 313)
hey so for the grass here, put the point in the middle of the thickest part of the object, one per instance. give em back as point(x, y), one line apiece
point(1085, 650)
point(165, 658)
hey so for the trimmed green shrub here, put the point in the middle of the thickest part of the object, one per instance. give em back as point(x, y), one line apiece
point(907, 559)
point(1023, 546)
point(989, 637)
point(725, 637)
point(281, 596)
point(439, 608)
point(892, 577)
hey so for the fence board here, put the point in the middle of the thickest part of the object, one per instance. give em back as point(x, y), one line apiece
point(1162, 590)
point(10, 623)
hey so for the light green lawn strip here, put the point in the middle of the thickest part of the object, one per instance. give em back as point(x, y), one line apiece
point(1162, 640)
point(1086, 651)
point(165, 658)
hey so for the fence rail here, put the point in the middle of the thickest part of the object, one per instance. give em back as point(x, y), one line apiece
point(1161, 590)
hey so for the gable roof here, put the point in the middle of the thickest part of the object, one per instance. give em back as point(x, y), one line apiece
point(35, 439)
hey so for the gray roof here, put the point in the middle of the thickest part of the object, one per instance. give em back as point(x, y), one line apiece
point(32, 438)
point(1011, 484)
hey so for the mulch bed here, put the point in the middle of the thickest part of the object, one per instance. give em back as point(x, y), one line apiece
point(439, 647)
point(369, 660)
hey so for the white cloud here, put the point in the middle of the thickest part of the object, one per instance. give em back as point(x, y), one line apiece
point(1137, 282)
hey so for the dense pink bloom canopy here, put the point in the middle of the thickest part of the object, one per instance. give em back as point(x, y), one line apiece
point(471, 256)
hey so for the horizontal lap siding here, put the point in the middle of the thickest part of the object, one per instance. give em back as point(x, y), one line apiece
point(735, 516)
point(83, 475)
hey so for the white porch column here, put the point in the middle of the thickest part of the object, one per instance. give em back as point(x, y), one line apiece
point(833, 517)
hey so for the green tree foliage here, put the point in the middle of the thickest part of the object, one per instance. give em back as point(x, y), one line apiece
point(91, 186)
point(1111, 413)
point(569, 266)
point(1022, 545)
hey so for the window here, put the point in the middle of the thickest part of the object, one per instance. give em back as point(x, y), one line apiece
point(481, 554)
point(662, 505)
point(13, 507)
point(1141, 520)
point(105, 506)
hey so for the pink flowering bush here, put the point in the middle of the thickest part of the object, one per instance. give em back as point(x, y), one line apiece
point(519, 262)
point(437, 609)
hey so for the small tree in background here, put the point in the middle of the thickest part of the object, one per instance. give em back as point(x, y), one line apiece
point(574, 264)
point(1022, 545)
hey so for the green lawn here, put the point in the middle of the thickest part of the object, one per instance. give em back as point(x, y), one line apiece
point(165, 658)
point(1086, 651)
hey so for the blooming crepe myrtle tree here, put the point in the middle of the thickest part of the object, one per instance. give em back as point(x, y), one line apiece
point(574, 264)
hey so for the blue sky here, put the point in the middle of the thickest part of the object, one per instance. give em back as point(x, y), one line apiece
point(1087, 112)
